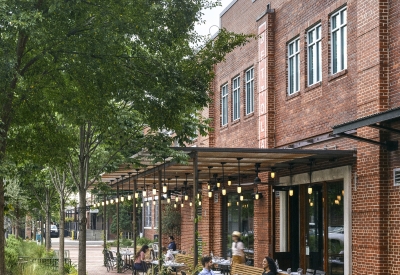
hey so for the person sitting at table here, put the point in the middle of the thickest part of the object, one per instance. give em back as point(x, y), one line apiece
point(237, 249)
point(269, 266)
point(168, 254)
point(172, 244)
point(140, 263)
point(207, 263)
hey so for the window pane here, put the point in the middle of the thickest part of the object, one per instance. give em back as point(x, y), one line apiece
point(310, 66)
point(297, 70)
point(335, 228)
point(318, 60)
point(310, 37)
point(342, 45)
point(334, 52)
point(334, 19)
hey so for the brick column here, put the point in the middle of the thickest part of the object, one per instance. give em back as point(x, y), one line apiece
point(370, 196)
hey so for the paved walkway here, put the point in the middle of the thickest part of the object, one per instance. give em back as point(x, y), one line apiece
point(94, 256)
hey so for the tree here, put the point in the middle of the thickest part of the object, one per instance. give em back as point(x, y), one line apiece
point(87, 60)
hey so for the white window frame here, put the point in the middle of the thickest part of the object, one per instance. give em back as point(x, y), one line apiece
point(339, 40)
point(293, 49)
point(236, 98)
point(147, 206)
point(314, 55)
point(249, 74)
point(224, 105)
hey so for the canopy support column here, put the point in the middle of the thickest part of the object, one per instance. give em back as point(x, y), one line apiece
point(195, 190)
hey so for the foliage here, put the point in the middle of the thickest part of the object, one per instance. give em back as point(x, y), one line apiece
point(125, 220)
point(142, 241)
point(171, 221)
point(122, 242)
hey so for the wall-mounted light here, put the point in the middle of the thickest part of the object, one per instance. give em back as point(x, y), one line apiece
point(273, 172)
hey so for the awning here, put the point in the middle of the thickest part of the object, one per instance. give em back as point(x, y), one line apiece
point(373, 121)
point(213, 157)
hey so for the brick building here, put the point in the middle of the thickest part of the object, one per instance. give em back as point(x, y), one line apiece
point(323, 76)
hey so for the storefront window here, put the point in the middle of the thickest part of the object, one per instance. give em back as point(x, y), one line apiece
point(335, 229)
point(240, 217)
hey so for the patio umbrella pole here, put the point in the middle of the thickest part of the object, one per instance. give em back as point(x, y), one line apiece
point(195, 188)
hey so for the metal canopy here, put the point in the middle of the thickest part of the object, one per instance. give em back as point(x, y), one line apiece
point(371, 121)
point(213, 157)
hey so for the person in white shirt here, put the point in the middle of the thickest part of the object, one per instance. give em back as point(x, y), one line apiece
point(168, 254)
point(207, 263)
point(237, 249)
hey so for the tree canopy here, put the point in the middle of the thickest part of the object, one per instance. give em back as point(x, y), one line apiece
point(114, 73)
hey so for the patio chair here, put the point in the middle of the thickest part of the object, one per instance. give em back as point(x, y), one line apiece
point(136, 271)
point(310, 272)
point(111, 261)
point(155, 249)
point(300, 271)
point(320, 272)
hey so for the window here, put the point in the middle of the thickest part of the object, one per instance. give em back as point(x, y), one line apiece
point(339, 41)
point(293, 66)
point(147, 213)
point(249, 91)
point(224, 105)
point(156, 214)
point(314, 64)
point(236, 98)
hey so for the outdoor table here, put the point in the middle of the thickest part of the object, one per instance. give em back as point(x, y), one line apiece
point(127, 258)
point(169, 263)
point(223, 265)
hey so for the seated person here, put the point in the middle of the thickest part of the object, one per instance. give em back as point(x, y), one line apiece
point(172, 244)
point(269, 266)
point(207, 263)
point(140, 263)
point(168, 254)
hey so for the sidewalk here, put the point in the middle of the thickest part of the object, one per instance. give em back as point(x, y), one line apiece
point(94, 256)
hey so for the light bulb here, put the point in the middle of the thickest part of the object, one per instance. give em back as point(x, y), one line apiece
point(272, 175)
point(218, 184)
point(229, 182)
point(199, 203)
point(147, 203)
point(176, 199)
point(102, 203)
point(141, 204)
point(136, 205)
point(136, 195)
point(311, 203)
point(310, 190)
point(168, 200)
point(190, 204)
point(116, 200)
point(229, 204)
point(223, 192)
point(154, 202)
point(182, 204)
point(237, 203)
point(186, 197)
point(164, 189)
point(174, 205)
point(209, 194)
point(291, 192)
point(129, 197)
point(154, 191)
point(198, 196)
point(239, 189)
point(339, 197)
point(144, 193)
point(107, 202)
point(342, 192)
point(257, 196)
point(241, 198)
point(122, 199)
point(208, 187)
point(336, 202)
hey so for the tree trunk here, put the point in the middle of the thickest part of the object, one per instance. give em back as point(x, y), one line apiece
point(16, 222)
point(48, 227)
point(2, 230)
point(61, 235)
point(82, 232)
